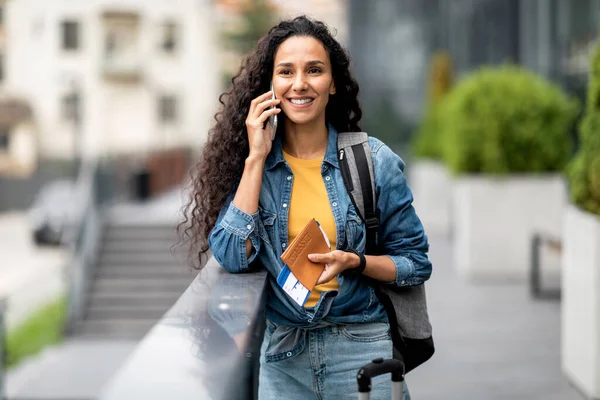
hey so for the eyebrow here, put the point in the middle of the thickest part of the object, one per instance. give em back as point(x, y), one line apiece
point(289, 64)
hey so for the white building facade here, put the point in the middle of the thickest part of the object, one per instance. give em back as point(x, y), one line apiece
point(113, 78)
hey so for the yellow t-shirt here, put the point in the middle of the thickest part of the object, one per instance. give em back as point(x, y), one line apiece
point(310, 200)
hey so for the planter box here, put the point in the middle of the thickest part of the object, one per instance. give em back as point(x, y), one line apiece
point(431, 185)
point(495, 219)
point(581, 301)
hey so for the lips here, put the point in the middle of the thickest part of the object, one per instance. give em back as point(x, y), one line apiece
point(301, 102)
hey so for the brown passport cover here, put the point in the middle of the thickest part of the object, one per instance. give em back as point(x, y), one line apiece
point(309, 241)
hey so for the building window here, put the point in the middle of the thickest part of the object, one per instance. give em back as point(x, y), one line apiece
point(110, 44)
point(121, 59)
point(70, 35)
point(71, 107)
point(169, 37)
point(4, 139)
point(167, 108)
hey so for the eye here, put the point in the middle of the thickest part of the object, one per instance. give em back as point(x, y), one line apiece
point(285, 72)
point(314, 70)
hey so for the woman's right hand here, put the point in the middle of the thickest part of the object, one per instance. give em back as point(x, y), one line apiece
point(259, 139)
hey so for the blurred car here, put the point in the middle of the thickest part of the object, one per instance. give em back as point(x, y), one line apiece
point(51, 211)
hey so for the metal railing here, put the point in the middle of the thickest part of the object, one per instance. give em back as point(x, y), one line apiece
point(535, 273)
point(84, 239)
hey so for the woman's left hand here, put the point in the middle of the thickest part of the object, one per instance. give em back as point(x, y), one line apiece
point(335, 262)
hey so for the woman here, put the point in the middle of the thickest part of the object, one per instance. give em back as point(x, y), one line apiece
point(252, 196)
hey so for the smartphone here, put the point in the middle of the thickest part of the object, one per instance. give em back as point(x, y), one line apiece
point(273, 118)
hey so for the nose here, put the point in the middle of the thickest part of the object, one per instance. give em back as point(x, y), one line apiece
point(300, 84)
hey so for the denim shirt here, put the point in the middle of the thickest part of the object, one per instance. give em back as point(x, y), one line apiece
point(400, 237)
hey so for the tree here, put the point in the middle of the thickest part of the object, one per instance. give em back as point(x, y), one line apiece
point(256, 19)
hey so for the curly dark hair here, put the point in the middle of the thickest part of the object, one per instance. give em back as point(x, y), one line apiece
point(219, 170)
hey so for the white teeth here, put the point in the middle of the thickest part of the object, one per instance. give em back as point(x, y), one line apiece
point(301, 101)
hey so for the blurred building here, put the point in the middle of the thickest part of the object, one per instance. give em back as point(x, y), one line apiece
point(17, 128)
point(552, 37)
point(230, 15)
point(111, 78)
point(392, 42)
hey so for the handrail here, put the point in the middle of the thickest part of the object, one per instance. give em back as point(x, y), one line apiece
point(207, 346)
point(83, 238)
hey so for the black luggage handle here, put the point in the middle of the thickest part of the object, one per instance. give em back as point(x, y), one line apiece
point(378, 367)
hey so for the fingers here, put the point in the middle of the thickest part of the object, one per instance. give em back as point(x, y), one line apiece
point(333, 264)
point(257, 119)
point(254, 103)
point(331, 257)
point(329, 272)
point(324, 278)
point(262, 108)
point(321, 258)
point(262, 102)
point(263, 117)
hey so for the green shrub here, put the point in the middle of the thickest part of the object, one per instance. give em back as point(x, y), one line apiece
point(506, 120)
point(427, 142)
point(584, 171)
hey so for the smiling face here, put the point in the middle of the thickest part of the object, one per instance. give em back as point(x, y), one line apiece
point(302, 79)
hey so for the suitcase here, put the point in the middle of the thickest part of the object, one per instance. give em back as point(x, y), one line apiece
point(378, 367)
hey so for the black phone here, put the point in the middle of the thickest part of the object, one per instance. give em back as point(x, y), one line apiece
point(273, 118)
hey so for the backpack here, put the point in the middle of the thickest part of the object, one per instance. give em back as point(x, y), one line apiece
point(406, 307)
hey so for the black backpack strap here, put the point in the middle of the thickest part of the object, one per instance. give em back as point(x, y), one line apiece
point(356, 165)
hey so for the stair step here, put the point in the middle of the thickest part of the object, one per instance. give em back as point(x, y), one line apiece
point(165, 299)
point(116, 285)
point(158, 257)
point(125, 312)
point(140, 233)
point(115, 328)
point(159, 272)
point(141, 246)
point(174, 268)
point(137, 279)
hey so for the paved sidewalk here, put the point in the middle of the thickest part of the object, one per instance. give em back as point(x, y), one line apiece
point(30, 276)
point(492, 342)
point(77, 369)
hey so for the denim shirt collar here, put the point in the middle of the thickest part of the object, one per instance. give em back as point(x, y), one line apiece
point(275, 157)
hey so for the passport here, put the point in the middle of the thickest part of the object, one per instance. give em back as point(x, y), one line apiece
point(312, 239)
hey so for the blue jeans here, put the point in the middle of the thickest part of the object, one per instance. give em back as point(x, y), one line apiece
point(327, 366)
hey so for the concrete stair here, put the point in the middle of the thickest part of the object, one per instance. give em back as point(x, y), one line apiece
point(135, 282)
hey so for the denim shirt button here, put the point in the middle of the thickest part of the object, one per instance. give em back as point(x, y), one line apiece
point(334, 204)
point(403, 283)
point(327, 178)
point(249, 227)
point(283, 245)
point(289, 178)
point(284, 205)
point(289, 354)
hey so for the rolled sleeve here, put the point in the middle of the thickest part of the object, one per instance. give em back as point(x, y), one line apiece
point(401, 236)
point(228, 238)
point(407, 274)
point(240, 223)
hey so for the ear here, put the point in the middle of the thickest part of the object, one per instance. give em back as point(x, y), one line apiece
point(332, 88)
